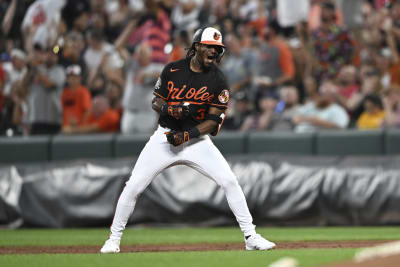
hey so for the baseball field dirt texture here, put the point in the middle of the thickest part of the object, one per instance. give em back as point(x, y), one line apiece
point(179, 247)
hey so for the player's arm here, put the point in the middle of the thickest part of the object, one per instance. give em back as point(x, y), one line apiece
point(212, 121)
point(161, 106)
point(157, 103)
point(210, 125)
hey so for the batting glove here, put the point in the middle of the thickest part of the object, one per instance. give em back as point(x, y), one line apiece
point(177, 138)
point(177, 111)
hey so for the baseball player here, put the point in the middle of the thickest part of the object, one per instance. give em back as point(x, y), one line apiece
point(191, 96)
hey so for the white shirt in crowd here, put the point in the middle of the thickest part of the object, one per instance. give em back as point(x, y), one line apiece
point(13, 75)
point(333, 113)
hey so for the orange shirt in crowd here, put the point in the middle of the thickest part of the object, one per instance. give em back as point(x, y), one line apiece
point(177, 53)
point(75, 104)
point(108, 122)
point(395, 74)
point(285, 58)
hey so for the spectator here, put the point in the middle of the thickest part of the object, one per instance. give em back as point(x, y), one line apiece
point(274, 64)
point(18, 119)
point(2, 81)
point(251, 13)
point(285, 110)
point(141, 76)
point(72, 52)
point(14, 72)
point(395, 22)
point(331, 45)
point(76, 99)
point(385, 62)
point(103, 62)
point(185, 14)
point(180, 43)
point(260, 119)
point(96, 51)
point(373, 115)
point(291, 12)
point(300, 60)
point(152, 27)
point(391, 101)
point(99, 21)
point(321, 113)
point(114, 95)
point(370, 84)
point(101, 119)
point(320, 50)
point(372, 34)
point(12, 20)
point(347, 84)
point(44, 82)
point(310, 89)
point(241, 109)
point(118, 16)
point(75, 15)
point(237, 64)
point(41, 21)
point(316, 16)
point(217, 12)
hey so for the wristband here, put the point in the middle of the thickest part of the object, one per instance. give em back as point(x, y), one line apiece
point(164, 109)
point(193, 132)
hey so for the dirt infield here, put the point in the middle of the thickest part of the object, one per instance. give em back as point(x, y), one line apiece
point(185, 247)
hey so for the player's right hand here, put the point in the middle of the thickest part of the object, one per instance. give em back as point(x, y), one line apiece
point(176, 111)
point(176, 138)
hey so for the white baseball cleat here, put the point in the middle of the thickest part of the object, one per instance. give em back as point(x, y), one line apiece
point(257, 242)
point(110, 246)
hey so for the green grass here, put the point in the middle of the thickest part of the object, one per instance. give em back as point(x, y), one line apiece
point(96, 237)
point(90, 236)
point(306, 257)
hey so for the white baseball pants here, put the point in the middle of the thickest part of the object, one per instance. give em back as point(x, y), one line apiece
point(200, 154)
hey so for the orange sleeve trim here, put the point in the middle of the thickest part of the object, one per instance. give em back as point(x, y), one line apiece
point(159, 95)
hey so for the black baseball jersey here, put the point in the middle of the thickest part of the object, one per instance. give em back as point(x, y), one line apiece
point(202, 90)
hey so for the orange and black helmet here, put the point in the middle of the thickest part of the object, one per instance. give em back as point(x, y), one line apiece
point(209, 36)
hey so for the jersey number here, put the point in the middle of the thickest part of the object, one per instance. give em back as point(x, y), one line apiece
point(201, 112)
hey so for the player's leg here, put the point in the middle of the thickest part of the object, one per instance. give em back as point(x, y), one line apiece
point(154, 158)
point(207, 159)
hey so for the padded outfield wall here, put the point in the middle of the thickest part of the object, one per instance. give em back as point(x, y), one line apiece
point(332, 178)
point(66, 147)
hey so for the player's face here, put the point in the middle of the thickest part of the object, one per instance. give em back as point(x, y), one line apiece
point(207, 54)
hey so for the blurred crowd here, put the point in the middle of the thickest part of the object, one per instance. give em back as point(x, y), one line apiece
point(90, 66)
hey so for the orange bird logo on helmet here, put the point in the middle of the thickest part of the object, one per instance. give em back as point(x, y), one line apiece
point(216, 36)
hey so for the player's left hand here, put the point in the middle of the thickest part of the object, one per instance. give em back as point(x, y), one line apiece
point(178, 112)
point(176, 138)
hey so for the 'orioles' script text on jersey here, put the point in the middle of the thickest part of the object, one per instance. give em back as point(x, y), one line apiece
point(179, 84)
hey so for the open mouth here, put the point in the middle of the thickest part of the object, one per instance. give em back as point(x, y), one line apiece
point(210, 58)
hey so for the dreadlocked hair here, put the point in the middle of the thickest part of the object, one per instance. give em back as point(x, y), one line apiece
point(190, 51)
